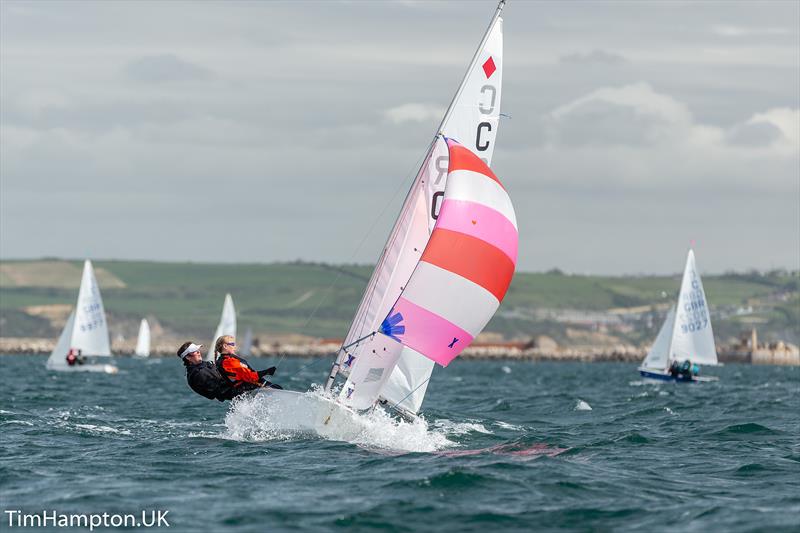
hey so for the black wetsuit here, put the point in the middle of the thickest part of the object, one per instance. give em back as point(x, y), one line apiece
point(205, 380)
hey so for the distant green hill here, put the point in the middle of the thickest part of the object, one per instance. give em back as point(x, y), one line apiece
point(319, 300)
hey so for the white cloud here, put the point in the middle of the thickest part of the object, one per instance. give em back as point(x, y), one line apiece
point(742, 31)
point(414, 112)
point(639, 97)
point(633, 137)
point(595, 57)
point(786, 120)
point(658, 119)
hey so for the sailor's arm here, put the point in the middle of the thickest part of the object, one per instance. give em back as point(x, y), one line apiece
point(240, 372)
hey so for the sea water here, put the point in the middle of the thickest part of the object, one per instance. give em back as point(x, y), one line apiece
point(503, 446)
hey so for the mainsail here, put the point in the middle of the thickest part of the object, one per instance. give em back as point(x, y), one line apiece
point(86, 329)
point(143, 340)
point(226, 326)
point(457, 285)
point(90, 332)
point(472, 119)
point(692, 337)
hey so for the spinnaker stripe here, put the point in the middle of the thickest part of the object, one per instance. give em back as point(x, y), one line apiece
point(462, 158)
point(457, 299)
point(482, 222)
point(473, 186)
point(429, 334)
point(470, 258)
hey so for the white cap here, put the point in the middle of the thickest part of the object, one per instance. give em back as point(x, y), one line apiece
point(191, 349)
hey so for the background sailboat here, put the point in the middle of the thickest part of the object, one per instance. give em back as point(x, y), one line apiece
point(143, 340)
point(246, 344)
point(686, 333)
point(226, 326)
point(86, 330)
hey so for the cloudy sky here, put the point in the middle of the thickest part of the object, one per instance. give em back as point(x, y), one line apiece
point(272, 131)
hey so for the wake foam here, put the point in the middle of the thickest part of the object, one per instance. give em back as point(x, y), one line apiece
point(286, 415)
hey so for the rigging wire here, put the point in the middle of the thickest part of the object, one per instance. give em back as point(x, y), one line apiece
point(360, 244)
point(410, 393)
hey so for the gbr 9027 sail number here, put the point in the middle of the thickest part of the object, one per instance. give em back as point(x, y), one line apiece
point(482, 142)
point(695, 309)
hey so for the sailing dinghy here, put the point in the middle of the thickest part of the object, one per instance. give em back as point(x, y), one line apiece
point(143, 340)
point(226, 326)
point(446, 266)
point(686, 334)
point(86, 331)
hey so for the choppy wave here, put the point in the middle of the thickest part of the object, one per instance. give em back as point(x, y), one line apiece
point(495, 451)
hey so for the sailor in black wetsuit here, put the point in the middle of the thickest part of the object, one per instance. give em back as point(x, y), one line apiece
point(203, 376)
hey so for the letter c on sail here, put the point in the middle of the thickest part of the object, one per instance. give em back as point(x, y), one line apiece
point(485, 146)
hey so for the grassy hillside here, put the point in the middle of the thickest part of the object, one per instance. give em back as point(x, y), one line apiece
point(186, 298)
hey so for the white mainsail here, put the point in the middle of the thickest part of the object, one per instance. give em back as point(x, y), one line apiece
point(658, 356)
point(143, 340)
point(692, 337)
point(226, 326)
point(90, 332)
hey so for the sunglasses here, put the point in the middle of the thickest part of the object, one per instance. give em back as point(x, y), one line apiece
point(230, 344)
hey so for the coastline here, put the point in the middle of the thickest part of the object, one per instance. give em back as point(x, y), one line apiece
point(486, 351)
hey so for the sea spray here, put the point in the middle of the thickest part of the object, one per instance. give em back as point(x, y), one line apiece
point(287, 416)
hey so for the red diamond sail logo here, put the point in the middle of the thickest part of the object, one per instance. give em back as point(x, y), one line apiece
point(489, 68)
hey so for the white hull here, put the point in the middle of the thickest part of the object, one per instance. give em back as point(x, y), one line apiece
point(313, 414)
point(657, 376)
point(104, 368)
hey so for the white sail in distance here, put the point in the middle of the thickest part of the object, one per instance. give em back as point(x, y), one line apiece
point(90, 331)
point(692, 336)
point(246, 345)
point(658, 356)
point(58, 357)
point(226, 326)
point(143, 339)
